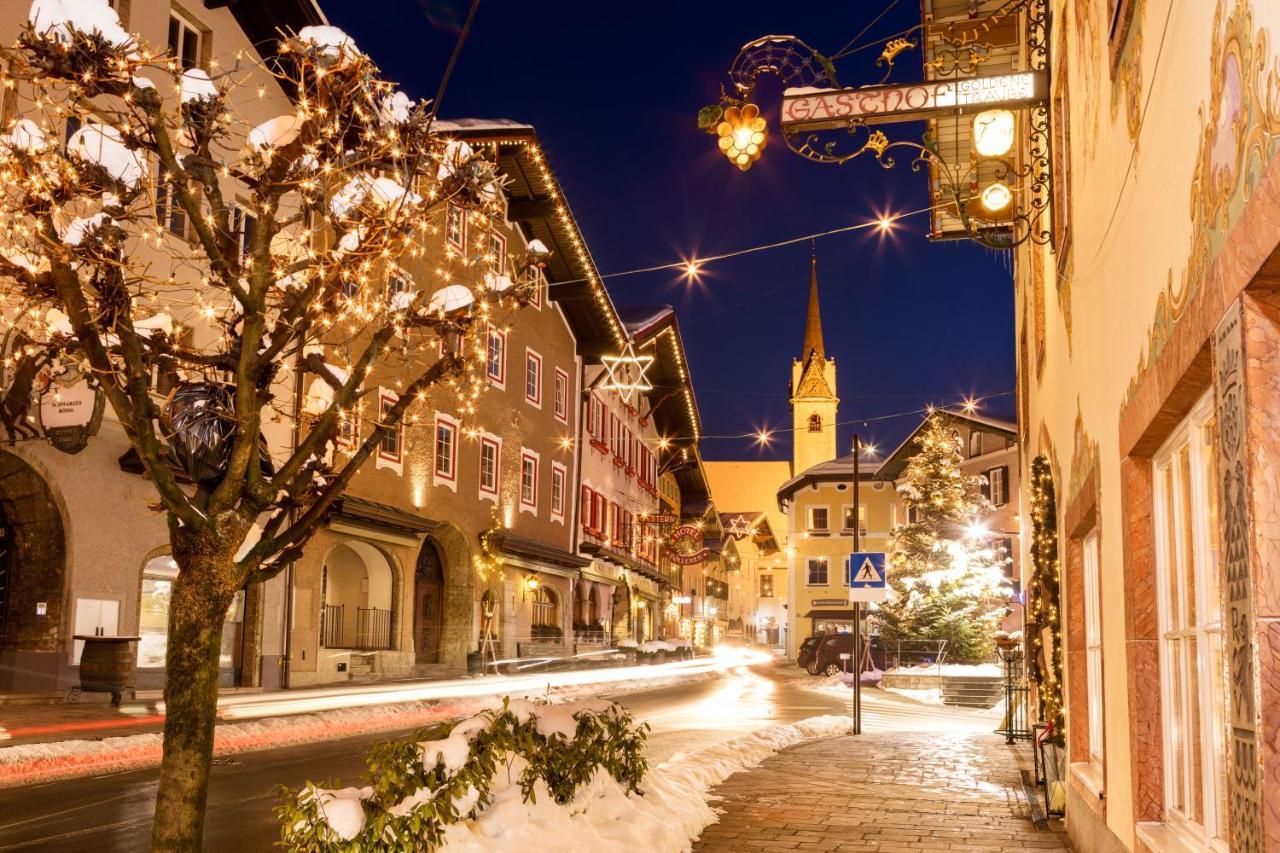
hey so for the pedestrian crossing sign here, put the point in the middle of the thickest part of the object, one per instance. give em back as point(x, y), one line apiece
point(867, 576)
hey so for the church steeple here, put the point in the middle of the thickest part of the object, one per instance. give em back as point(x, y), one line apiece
point(813, 348)
point(813, 397)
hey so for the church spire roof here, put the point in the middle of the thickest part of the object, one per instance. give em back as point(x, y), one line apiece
point(813, 348)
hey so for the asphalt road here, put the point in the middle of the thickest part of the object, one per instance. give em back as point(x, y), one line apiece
point(113, 812)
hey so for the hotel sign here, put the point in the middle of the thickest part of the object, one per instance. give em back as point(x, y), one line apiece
point(815, 109)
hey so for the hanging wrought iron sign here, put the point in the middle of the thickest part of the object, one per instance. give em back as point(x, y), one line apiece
point(683, 548)
point(989, 173)
point(71, 410)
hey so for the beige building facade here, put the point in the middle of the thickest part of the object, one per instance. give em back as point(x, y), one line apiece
point(1149, 349)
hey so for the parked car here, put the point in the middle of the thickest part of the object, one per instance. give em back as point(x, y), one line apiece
point(827, 661)
point(808, 649)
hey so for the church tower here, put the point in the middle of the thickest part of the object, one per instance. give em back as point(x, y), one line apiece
point(813, 391)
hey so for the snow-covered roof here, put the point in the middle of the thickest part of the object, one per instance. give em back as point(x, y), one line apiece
point(480, 125)
point(638, 318)
point(833, 470)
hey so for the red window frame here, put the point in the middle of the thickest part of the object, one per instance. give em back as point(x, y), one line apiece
point(496, 444)
point(562, 396)
point(532, 358)
point(452, 429)
point(529, 456)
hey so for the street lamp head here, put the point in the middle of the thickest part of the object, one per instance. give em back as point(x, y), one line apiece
point(742, 135)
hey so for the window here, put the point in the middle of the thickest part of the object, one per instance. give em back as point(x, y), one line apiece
point(818, 519)
point(817, 571)
point(997, 485)
point(615, 435)
point(497, 358)
point(528, 481)
point(184, 41)
point(391, 442)
point(1120, 19)
point(815, 423)
point(455, 227)
point(975, 443)
point(490, 466)
point(546, 608)
point(1005, 550)
point(1093, 647)
point(348, 428)
point(446, 470)
point(398, 282)
point(846, 518)
point(766, 586)
point(539, 284)
point(533, 378)
point(498, 253)
point(169, 211)
point(1193, 707)
point(243, 224)
point(595, 416)
point(558, 475)
point(562, 396)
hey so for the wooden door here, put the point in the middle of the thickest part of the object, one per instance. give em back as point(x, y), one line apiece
point(428, 605)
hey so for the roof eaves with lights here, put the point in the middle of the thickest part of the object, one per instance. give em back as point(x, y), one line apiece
point(538, 205)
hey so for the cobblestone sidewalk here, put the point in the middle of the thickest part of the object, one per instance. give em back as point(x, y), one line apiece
point(882, 792)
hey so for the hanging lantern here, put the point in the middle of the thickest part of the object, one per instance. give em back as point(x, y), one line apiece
point(743, 134)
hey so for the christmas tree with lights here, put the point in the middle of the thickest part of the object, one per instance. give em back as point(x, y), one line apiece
point(947, 579)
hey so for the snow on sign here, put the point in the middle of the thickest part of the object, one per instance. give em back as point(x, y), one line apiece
point(867, 576)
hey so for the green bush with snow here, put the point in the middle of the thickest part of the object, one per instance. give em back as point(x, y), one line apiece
point(444, 774)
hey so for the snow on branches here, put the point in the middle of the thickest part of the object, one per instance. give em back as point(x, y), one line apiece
point(202, 235)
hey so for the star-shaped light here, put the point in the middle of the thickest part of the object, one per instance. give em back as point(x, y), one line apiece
point(625, 373)
point(740, 528)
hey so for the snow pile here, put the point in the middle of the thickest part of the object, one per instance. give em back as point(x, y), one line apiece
point(653, 646)
point(672, 812)
point(275, 132)
point(62, 19)
point(395, 109)
point(450, 298)
point(83, 226)
point(328, 42)
point(196, 86)
point(627, 644)
point(382, 191)
point(101, 145)
point(984, 670)
point(26, 135)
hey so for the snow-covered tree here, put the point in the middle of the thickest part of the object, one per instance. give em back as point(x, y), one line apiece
point(273, 306)
point(947, 580)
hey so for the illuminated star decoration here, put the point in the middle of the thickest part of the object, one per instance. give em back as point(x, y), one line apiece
point(625, 373)
point(740, 528)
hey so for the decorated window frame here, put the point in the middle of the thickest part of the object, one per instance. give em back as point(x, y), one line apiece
point(455, 227)
point(390, 451)
point(444, 448)
point(533, 377)
point(561, 405)
point(498, 378)
point(559, 482)
point(529, 463)
point(489, 442)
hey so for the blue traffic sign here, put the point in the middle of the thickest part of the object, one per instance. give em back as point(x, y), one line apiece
point(867, 570)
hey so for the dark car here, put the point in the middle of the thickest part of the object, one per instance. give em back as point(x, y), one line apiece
point(807, 650)
point(827, 660)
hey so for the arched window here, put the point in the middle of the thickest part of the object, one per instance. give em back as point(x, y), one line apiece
point(815, 423)
point(975, 443)
point(546, 607)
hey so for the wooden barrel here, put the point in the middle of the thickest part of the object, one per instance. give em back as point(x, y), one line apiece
point(106, 665)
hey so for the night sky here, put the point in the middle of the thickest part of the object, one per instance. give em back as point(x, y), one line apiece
point(614, 91)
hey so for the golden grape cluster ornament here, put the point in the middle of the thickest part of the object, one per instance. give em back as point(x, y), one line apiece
point(743, 135)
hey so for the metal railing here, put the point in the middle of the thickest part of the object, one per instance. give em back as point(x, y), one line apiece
point(331, 627)
point(373, 629)
point(1017, 698)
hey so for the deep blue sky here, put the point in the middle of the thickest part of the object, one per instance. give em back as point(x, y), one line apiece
point(614, 91)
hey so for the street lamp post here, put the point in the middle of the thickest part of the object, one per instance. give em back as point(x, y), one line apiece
point(857, 605)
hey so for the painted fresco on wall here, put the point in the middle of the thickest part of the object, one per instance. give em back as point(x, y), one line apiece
point(1087, 61)
point(1126, 83)
point(1240, 136)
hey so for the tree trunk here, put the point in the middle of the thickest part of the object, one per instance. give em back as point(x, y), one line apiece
point(196, 613)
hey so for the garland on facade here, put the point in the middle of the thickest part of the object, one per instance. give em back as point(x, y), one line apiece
point(1044, 613)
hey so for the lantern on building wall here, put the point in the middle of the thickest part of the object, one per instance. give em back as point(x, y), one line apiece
point(994, 132)
point(743, 134)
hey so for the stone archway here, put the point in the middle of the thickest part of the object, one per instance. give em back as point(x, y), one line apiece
point(33, 583)
point(458, 632)
point(359, 598)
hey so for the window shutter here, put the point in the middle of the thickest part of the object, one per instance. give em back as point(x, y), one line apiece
point(986, 484)
point(1004, 484)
